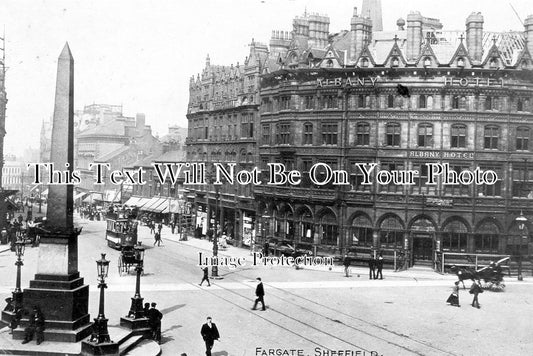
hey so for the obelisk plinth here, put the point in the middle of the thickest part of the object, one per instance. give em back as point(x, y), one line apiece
point(57, 288)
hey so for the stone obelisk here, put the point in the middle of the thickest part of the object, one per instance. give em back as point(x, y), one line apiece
point(58, 288)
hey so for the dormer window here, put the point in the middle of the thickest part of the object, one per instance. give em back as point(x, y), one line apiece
point(427, 62)
point(524, 64)
point(494, 63)
point(460, 62)
point(329, 63)
point(364, 62)
point(395, 62)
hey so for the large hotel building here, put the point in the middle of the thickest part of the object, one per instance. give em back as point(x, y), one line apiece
point(398, 99)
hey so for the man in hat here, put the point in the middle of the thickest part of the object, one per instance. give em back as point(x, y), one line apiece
point(209, 333)
point(155, 317)
point(35, 327)
point(206, 276)
point(260, 293)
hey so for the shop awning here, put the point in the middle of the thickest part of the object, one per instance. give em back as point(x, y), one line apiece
point(92, 197)
point(132, 201)
point(156, 205)
point(142, 202)
point(149, 204)
point(163, 203)
point(79, 195)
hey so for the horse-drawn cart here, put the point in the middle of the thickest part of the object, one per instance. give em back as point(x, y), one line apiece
point(492, 275)
point(129, 258)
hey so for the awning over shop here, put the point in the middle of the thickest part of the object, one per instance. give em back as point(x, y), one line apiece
point(156, 205)
point(142, 202)
point(161, 206)
point(149, 204)
point(132, 201)
point(80, 195)
point(92, 197)
point(7, 193)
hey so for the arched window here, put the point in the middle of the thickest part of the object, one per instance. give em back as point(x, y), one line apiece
point(519, 105)
point(390, 101)
point(391, 233)
point(422, 102)
point(486, 238)
point(494, 62)
point(361, 231)
point(364, 62)
point(329, 63)
point(395, 62)
point(427, 62)
point(454, 237)
point(460, 62)
point(329, 229)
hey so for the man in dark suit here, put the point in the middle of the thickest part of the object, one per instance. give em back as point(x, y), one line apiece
point(372, 267)
point(260, 293)
point(206, 276)
point(209, 333)
point(154, 319)
point(379, 265)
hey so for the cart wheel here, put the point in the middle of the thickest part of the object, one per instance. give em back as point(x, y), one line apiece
point(120, 265)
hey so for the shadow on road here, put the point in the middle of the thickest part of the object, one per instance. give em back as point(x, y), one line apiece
point(171, 309)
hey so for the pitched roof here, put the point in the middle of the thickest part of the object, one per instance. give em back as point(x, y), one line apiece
point(106, 157)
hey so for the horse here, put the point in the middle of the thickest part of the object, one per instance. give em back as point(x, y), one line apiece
point(465, 273)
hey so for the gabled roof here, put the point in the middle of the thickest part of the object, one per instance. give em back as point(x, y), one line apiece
point(493, 53)
point(427, 51)
point(463, 53)
point(395, 51)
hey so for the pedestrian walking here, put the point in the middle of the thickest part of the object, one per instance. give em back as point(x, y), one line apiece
point(347, 261)
point(266, 249)
point(206, 276)
point(151, 224)
point(260, 294)
point(453, 299)
point(372, 267)
point(379, 265)
point(209, 333)
point(159, 227)
point(475, 289)
point(154, 320)
point(172, 226)
point(157, 239)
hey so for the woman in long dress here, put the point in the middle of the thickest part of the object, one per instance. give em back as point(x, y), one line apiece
point(453, 299)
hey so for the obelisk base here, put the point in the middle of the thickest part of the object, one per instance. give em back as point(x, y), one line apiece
point(58, 291)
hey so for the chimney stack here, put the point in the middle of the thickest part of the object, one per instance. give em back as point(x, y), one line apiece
point(474, 36)
point(528, 26)
point(360, 35)
point(414, 35)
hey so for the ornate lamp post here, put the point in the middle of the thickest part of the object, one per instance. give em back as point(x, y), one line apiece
point(521, 220)
point(136, 309)
point(214, 268)
point(100, 333)
point(17, 293)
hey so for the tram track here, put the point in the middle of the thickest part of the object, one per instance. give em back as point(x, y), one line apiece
point(327, 320)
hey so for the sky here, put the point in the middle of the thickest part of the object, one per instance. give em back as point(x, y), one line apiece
point(142, 53)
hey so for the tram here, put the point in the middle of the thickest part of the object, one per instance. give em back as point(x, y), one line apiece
point(121, 232)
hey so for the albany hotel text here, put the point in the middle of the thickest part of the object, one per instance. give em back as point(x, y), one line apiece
point(403, 98)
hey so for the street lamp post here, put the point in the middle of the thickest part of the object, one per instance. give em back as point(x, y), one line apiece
point(17, 293)
point(100, 333)
point(521, 220)
point(214, 268)
point(136, 309)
